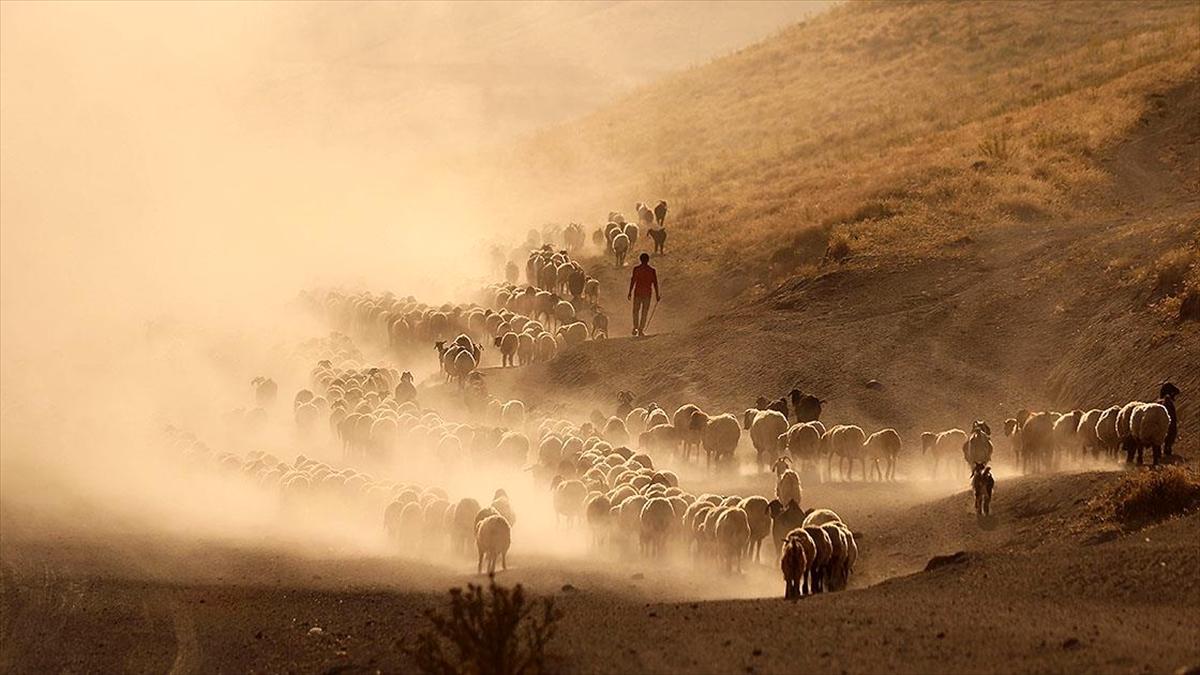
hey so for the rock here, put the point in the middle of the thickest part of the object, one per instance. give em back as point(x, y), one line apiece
point(568, 588)
point(874, 384)
point(316, 630)
point(938, 561)
point(638, 576)
point(1070, 643)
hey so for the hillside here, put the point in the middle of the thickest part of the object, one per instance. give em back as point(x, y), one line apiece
point(1013, 190)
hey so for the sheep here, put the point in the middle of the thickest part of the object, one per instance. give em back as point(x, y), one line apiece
point(821, 517)
point(720, 436)
point(574, 333)
point(508, 344)
point(657, 521)
point(686, 434)
point(463, 523)
point(1037, 440)
point(512, 414)
point(645, 214)
point(615, 432)
point(787, 487)
point(660, 212)
point(733, 536)
point(765, 427)
point(659, 236)
point(620, 247)
point(977, 449)
point(819, 562)
point(982, 485)
point(806, 407)
point(847, 442)
point(843, 556)
point(1106, 430)
point(803, 442)
point(569, 496)
point(884, 444)
point(1066, 437)
point(631, 230)
point(599, 517)
point(1150, 424)
point(794, 563)
point(758, 516)
point(1085, 432)
point(785, 517)
point(493, 536)
point(941, 444)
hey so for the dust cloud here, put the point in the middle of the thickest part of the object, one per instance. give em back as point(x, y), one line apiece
point(174, 174)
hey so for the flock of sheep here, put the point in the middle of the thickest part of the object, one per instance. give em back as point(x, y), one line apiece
point(607, 474)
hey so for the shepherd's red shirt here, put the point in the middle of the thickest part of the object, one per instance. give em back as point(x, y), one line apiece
point(643, 281)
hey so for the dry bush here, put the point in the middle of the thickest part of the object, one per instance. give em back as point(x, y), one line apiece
point(995, 147)
point(1144, 497)
point(497, 632)
point(1170, 271)
point(838, 248)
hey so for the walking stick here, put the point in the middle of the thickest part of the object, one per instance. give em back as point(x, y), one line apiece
point(651, 316)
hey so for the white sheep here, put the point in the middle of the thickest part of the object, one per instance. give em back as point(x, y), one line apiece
point(787, 488)
point(942, 444)
point(758, 516)
point(657, 523)
point(1149, 426)
point(765, 427)
point(732, 536)
point(883, 445)
point(1106, 430)
point(508, 344)
point(569, 496)
point(1085, 432)
point(720, 436)
point(847, 442)
point(493, 536)
point(512, 414)
point(620, 247)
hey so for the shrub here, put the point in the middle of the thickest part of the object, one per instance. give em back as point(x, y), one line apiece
point(500, 632)
point(1171, 270)
point(838, 248)
point(994, 146)
point(1143, 497)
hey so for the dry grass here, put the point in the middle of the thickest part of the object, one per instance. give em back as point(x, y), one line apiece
point(1144, 497)
point(905, 123)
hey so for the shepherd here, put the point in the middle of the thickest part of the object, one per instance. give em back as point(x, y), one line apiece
point(641, 282)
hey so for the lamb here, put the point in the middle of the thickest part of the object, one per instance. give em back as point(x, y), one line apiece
point(645, 214)
point(843, 555)
point(733, 536)
point(1149, 424)
point(493, 536)
point(657, 523)
point(787, 487)
point(758, 516)
point(765, 427)
point(794, 563)
point(821, 517)
point(982, 485)
point(574, 333)
point(686, 434)
point(631, 230)
point(620, 247)
point(884, 444)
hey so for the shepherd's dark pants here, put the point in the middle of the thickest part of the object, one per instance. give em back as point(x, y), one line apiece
point(641, 308)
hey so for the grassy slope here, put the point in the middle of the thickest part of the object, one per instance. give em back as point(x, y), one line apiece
point(979, 280)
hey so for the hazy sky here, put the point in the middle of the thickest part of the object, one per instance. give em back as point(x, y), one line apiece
point(215, 156)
